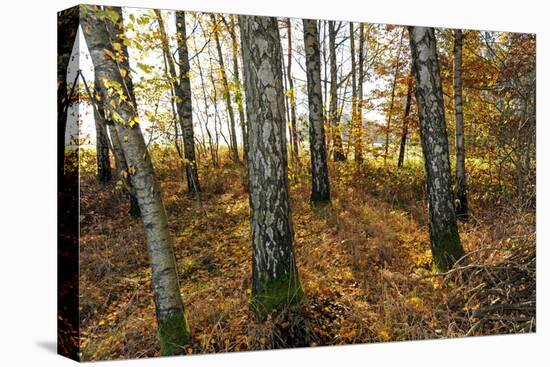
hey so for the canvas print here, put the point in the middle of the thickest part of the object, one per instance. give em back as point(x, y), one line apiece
point(238, 183)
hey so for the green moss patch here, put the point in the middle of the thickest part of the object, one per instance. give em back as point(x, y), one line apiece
point(447, 250)
point(173, 334)
point(277, 294)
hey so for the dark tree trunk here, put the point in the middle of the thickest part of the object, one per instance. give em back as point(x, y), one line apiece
point(320, 189)
point(68, 199)
point(392, 98)
point(67, 27)
point(354, 133)
point(444, 238)
point(226, 93)
point(292, 94)
point(358, 143)
point(460, 168)
point(275, 279)
point(102, 139)
point(333, 108)
point(405, 130)
point(173, 330)
point(185, 106)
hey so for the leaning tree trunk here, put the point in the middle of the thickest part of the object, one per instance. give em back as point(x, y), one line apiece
point(460, 168)
point(101, 37)
point(275, 279)
point(444, 238)
point(102, 139)
point(185, 106)
point(405, 129)
point(333, 107)
point(320, 189)
point(122, 171)
point(226, 93)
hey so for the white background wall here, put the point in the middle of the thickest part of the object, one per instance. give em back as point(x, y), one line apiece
point(28, 182)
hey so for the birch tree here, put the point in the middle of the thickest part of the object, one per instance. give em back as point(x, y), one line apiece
point(181, 86)
point(320, 188)
point(292, 94)
point(226, 91)
point(275, 279)
point(333, 105)
point(460, 167)
point(444, 238)
point(104, 33)
point(405, 123)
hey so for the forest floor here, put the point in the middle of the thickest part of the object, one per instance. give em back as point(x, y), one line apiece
point(364, 263)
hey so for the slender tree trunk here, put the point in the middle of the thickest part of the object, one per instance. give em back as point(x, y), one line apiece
point(444, 237)
point(238, 88)
point(358, 146)
point(405, 130)
point(292, 95)
point(333, 108)
point(102, 139)
point(460, 168)
point(226, 93)
point(217, 119)
point(275, 279)
point(182, 87)
point(101, 35)
point(185, 106)
point(353, 133)
point(328, 137)
point(213, 153)
point(287, 100)
point(320, 188)
point(392, 98)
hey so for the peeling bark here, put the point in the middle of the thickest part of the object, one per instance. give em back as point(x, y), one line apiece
point(444, 237)
point(320, 189)
point(100, 36)
point(275, 280)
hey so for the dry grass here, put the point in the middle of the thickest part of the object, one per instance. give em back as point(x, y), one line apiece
point(364, 263)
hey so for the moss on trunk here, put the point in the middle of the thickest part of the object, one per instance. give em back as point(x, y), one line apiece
point(446, 250)
point(173, 334)
point(277, 294)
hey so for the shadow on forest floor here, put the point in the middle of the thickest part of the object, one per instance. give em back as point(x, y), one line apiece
point(364, 262)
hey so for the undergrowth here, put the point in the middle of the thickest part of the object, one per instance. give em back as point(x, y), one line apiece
point(364, 264)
